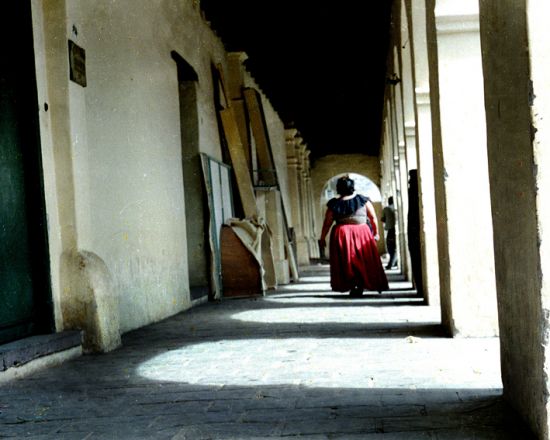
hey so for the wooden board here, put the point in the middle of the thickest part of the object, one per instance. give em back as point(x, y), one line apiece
point(239, 162)
point(241, 273)
point(267, 174)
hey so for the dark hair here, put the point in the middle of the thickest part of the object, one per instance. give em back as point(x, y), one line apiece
point(345, 186)
point(390, 200)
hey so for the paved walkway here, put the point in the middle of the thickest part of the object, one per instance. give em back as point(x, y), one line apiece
point(301, 363)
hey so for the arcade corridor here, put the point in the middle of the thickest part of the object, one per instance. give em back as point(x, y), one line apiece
point(160, 156)
point(300, 363)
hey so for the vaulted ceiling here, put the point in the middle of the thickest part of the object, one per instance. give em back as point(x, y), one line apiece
point(321, 63)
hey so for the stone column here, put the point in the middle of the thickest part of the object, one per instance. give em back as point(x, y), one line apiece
point(516, 67)
point(274, 218)
point(410, 142)
point(390, 188)
point(416, 23)
point(400, 166)
point(465, 240)
point(386, 161)
point(314, 201)
point(403, 202)
point(312, 236)
point(409, 148)
point(407, 89)
point(428, 234)
point(294, 160)
point(292, 168)
point(303, 241)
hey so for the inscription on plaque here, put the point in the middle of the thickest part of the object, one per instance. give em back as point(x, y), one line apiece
point(77, 63)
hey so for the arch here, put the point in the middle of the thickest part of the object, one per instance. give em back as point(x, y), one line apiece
point(332, 165)
point(363, 185)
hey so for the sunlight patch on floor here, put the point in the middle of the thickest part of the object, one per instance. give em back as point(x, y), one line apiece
point(333, 362)
point(291, 298)
point(362, 315)
point(314, 279)
point(310, 287)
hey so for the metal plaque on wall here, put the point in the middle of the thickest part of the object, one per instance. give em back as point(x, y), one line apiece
point(77, 63)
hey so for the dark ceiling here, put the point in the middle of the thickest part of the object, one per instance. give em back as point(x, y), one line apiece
point(321, 63)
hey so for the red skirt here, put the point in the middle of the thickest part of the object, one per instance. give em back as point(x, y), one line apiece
point(354, 259)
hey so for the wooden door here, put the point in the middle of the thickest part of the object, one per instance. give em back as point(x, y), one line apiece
point(24, 282)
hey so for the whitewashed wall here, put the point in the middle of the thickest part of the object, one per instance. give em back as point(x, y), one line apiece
point(119, 141)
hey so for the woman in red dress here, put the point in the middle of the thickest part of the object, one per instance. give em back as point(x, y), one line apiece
point(354, 260)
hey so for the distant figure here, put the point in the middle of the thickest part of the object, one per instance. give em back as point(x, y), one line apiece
point(354, 260)
point(388, 217)
point(413, 232)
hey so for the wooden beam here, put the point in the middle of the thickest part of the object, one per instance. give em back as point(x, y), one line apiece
point(267, 173)
point(239, 162)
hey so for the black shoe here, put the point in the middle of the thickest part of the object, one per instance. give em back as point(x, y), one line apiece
point(356, 292)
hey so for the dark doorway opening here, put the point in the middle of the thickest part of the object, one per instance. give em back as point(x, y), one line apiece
point(25, 292)
point(194, 191)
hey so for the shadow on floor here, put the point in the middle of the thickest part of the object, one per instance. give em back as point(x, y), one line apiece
point(92, 403)
point(241, 369)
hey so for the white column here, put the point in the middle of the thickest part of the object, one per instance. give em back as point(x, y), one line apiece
point(401, 178)
point(407, 87)
point(274, 218)
point(416, 13)
point(516, 66)
point(313, 235)
point(308, 214)
point(465, 238)
point(294, 187)
point(302, 245)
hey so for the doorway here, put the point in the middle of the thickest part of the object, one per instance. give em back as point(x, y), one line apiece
point(25, 294)
point(194, 191)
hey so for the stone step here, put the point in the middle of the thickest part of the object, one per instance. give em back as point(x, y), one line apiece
point(18, 357)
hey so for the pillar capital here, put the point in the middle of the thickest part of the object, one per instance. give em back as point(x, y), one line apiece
point(292, 162)
point(410, 129)
point(291, 149)
point(422, 95)
point(290, 134)
point(301, 148)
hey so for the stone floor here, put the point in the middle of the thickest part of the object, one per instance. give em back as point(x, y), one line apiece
point(303, 362)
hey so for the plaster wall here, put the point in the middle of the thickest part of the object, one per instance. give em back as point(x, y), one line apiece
point(517, 165)
point(115, 159)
